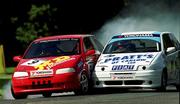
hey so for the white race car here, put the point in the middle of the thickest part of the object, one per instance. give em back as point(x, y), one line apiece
point(146, 59)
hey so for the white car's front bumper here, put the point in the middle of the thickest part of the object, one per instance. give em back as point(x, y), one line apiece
point(130, 79)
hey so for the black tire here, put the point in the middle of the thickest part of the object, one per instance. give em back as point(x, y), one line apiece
point(19, 96)
point(84, 85)
point(162, 88)
point(48, 94)
point(178, 88)
point(178, 81)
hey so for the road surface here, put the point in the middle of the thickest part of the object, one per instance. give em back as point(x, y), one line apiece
point(117, 96)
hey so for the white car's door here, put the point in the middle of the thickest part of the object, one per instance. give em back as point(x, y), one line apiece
point(172, 57)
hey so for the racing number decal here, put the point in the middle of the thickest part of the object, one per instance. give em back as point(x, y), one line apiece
point(33, 62)
point(52, 62)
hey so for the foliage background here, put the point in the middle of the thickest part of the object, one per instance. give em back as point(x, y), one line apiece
point(22, 21)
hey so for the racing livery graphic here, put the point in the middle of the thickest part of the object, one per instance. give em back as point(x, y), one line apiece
point(56, 64)
point(146, 59)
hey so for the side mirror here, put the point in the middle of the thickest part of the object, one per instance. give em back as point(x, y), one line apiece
point(170, 49)
point(97, 52)
point(17, 58)
point(90, 52)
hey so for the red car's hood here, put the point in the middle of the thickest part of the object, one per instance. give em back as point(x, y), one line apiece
point(47, 63)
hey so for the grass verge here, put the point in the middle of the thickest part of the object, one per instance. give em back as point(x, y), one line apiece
point(9, 70)
point(1, 92)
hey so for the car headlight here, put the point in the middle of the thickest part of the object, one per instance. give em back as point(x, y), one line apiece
point(20, 74)
point(65, 70)
point(142, 67)
point(147, 67)
point(100, 68)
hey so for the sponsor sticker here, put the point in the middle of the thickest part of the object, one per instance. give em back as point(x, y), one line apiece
point(136, 35)
point(129, 59)
point(122, 76)
point(41, 73)
point(122, 67)
point(52, 62)
point(80, 64)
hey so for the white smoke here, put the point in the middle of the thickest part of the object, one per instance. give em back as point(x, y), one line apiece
point(7, 91)
point(144, 15)
point(140, 15)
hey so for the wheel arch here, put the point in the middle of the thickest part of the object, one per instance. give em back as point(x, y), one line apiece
point(165, 70)
point(83, 71)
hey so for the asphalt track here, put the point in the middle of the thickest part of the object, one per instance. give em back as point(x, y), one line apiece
point(106, 96)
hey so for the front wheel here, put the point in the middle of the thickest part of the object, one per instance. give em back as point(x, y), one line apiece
point(178, 87)
point(163, 82)
point(48, 94)
point(84, 85)
point(178, 81)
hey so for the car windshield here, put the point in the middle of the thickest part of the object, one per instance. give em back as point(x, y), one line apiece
point(132, 46)
point(52, 48)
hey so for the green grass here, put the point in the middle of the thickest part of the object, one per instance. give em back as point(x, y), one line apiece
point(1, 92)
point(3, 81)
point(9, 70)
point(7, 75)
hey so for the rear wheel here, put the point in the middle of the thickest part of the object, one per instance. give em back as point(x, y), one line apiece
point(84, 85)
point(163, 82)
point(177, 87)
point(19, 96)
point(178, 80)
point(48, 94)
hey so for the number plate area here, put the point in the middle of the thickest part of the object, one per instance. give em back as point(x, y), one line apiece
point(41, 73)
point(122, 76)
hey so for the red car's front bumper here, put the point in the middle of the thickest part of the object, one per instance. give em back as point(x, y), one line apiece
point(57, 83)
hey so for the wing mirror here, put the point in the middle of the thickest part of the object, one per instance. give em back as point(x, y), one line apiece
point(97, 52)
point(170, 49)
point(17, 58)
point(90, 52)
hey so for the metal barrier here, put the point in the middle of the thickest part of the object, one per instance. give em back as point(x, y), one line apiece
point(2, 60)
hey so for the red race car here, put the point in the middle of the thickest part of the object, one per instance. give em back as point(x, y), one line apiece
point(56, 64)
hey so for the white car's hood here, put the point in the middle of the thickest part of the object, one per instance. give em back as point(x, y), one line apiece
point(125, 61)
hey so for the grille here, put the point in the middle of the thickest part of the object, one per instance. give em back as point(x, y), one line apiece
point(41, 84)
point(134, 82)
point(113, 82)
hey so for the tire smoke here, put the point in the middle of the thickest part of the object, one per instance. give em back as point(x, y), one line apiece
point(143, 15)
point(7, 91)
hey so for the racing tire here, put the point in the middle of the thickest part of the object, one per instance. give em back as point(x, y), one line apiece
point(178, 87)
point(48, 94)
point(19, 96)
point(163, 86)
point(178, 82)
point(84, 85)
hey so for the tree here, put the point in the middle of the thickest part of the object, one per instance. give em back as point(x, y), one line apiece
point(38, 25)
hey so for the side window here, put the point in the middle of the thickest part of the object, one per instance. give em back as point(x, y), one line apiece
point(88, 44)
point(175, 42)
point(167, 42)
point(97, 45)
